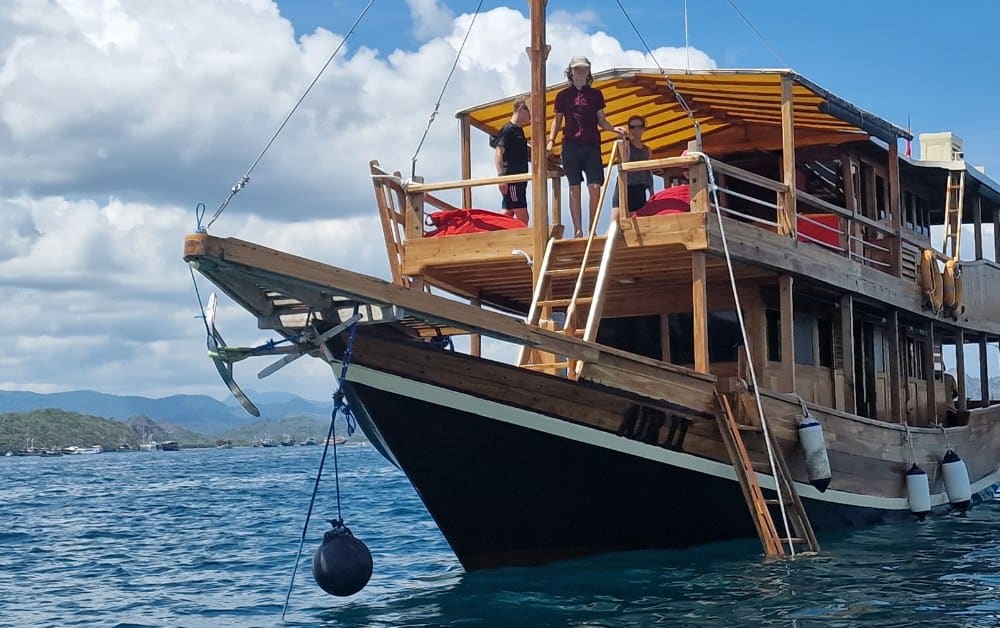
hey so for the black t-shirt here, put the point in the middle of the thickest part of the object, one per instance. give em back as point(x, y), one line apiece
point(515, 148)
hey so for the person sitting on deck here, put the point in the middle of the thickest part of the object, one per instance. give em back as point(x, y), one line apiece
point(639, 184)
point(511, 156)
point(950, 395)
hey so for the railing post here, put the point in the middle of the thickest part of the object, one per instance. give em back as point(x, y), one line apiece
point(413, 226)
point(786, 215)
point(895, 245)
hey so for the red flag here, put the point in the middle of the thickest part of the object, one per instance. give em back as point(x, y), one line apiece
point(909, 147)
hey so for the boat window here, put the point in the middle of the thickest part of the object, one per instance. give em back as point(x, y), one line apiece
point(824, 329)
point(914, 358)
point(637, 334)
point(805, 352)
point(724, 337)
point(773, 335)
point(879, 350)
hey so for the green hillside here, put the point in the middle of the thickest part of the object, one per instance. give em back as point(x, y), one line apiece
point(51, 428)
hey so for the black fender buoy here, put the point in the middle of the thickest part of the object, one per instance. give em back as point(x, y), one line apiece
point(342, 565)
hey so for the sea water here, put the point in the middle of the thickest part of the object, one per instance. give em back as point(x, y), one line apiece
point(208, 538)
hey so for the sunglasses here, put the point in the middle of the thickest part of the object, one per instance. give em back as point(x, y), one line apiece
point(637, 126)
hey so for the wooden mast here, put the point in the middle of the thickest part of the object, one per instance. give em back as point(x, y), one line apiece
point(538, 52)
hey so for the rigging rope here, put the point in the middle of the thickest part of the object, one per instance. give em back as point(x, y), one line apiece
point(430, 121)
point(670, 84)
point(713, 189)
point(339, 403)
point(759, 34)
point(242, 183)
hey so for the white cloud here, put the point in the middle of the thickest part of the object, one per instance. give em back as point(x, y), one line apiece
point(430, 18)
point(117, 117)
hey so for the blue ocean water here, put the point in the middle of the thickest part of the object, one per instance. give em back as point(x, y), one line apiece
point(208, 538)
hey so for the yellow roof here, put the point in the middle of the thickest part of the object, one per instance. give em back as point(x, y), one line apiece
point(736, 109)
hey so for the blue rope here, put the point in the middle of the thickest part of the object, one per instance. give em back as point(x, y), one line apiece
point(339, 404)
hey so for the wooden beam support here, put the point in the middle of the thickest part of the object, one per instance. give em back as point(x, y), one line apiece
point(895, 246)
point(475, 340)
point(977, 216)
point(963, 402)
point(466, 156)
point(699, 311)
point(929, 373)
point(537, 55)
point(786, 381)
point(984, 372)
point(895, 362)
point(847, 350)
point(786, 214)
point(996, 233)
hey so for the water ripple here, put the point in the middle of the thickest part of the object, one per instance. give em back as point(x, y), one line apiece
point(208, 538)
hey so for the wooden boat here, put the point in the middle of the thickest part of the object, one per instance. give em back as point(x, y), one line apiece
point(660, 375)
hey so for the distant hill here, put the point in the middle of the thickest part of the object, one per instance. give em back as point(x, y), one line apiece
point(198, 413)
point(52, 428)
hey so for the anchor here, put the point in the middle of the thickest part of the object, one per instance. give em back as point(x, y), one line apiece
point(225, 356)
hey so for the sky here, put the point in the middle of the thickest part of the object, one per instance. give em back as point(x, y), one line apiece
point(117, 117)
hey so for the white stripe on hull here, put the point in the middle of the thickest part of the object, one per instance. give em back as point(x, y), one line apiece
point(599, 438)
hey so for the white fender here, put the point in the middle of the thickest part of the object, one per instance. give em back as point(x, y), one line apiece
point(918, 491)
point(956, 481)
point(814, 446)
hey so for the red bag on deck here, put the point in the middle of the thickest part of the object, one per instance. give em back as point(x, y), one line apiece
point(673, 200)
point(448, 223)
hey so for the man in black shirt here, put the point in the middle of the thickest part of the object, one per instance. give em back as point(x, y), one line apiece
point(511, 157)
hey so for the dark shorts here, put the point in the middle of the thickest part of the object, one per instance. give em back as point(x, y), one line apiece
point(516, 196)
point(636, 197)
point(578, 159)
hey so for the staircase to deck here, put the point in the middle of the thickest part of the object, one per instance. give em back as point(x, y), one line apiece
point(570, 293)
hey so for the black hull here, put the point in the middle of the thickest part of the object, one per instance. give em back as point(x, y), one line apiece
point(503, 494)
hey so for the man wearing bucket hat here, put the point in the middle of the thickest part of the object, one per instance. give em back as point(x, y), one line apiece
point(581, 107)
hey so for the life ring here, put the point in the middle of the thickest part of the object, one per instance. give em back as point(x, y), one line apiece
point(931, 281)
point(952, 292)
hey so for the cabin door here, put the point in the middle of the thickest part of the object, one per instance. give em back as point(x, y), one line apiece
point(864, 369)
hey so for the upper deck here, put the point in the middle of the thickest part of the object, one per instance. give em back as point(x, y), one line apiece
point(806, 184)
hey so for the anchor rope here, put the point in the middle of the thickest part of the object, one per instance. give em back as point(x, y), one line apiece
point(339, 404)
point(909, 441)
point(437, 106)
point(245, 179)
point(713, 189)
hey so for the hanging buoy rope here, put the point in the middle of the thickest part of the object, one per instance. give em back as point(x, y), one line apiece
point(918, 489)
point(437, 106)
point(348, 571)
point(245, 179)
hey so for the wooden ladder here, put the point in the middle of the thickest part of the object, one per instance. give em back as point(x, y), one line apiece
point(953, 204)
point(760, 508)
point(563, 260)
point(569, 258)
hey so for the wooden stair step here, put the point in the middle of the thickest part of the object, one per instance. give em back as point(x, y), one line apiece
point(559, 302)
point(571, 271)
point(750, 428)
point(794, 539)
point(546, 365)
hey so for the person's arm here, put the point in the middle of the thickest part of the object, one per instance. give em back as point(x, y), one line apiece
point(557, 121)
point(607, 126)
point(498, 162)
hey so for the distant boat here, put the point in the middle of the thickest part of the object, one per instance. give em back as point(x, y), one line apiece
point(336, 440)
point(223, 443)
point(81, 451)
point(287, 441)
point(170, 445)
point(309, 441)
